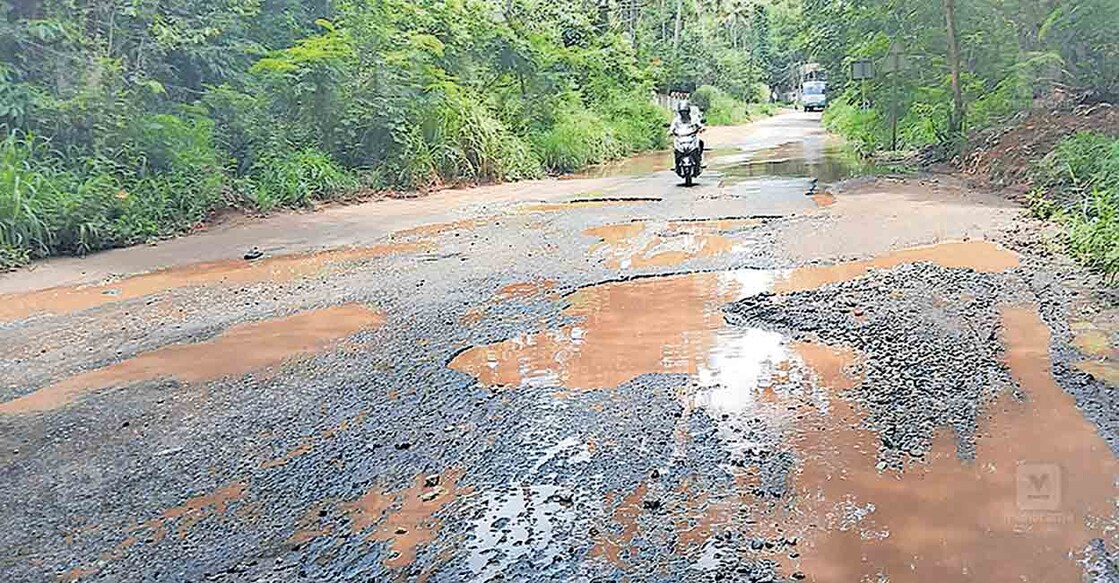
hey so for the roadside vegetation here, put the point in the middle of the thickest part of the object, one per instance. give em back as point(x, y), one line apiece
point(1008, 54)
point(948, 70)
point(1077, 184)
point(126, 121)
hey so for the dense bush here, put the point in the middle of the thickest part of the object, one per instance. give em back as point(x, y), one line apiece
point(295, 178)
point(863, 128)
point(1078, 184)
point(1011, 53)
point(116, 130)
point(577, 138)
point(718, 107)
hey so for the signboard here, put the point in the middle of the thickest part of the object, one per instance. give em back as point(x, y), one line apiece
point(895, 63)
point(862, 70)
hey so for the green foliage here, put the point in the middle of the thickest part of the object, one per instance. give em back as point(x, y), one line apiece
point(148, 118)
point(1083, 32)
point(295, 178)
point(465, 142)
point(13, 257)
point(718, 107)
point(577, 139)
point(1093, 236)
point(1011, 52)
point(21, 225)
point(1078, 184)
point(863, 128)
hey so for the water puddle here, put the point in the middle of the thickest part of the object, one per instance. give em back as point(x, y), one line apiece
point(239, 349)
point(1041, 486)
point(674, 324)
point(641, 164)
point(978, 255)
point(638, 165)
point(615, 543)
point(644, 244)
point(405, 519)
point(281, 268)
point(792, 160)
point(1092, 341)
point(670, 324)
point(519, 524)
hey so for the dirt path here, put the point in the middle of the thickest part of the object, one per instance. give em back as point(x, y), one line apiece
point(775, 375)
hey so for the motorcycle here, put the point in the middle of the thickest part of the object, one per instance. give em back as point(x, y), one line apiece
point(688, 151)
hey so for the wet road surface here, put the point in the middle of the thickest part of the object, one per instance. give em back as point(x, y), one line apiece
point(770, 376)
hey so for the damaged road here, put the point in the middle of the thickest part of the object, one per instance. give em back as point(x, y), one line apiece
point(787, 372)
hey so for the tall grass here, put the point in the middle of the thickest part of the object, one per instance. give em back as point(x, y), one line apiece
point(295, 178)
point(162, 173)
point(719, 107)
point(21, 226)
point(1078, 185)
point(577, 139)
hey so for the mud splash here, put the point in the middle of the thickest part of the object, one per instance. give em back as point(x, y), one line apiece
point(526, 289)
point(405, 519)
point(978, 254)
point(182, 517)
point(236, 351)
point(282, 268)
point(1041, 486)
point(615, 544)
point(671, 324)
point(1103, 370)
point(644, 244)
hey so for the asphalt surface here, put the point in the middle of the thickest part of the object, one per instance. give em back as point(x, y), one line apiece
point(786, 372)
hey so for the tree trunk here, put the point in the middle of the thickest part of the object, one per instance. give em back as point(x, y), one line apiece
point(679, 23)
point(956, 120)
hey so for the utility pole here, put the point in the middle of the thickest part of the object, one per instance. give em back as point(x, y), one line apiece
point(956, 120)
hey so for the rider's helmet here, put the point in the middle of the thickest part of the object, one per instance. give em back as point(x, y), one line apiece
point(684, 109)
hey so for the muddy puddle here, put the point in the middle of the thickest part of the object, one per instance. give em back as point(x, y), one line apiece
point(1104, 370)
point(405, 519)
point(792, 160)
point(527, 289)
point(281, 268)
point(425, 232)
point(977, 254)
point(668, 324)
point(238, 350)
point(641, 164)
point(1039, 490)
point(643, 244)
point(674, 324)
point(1041, 486)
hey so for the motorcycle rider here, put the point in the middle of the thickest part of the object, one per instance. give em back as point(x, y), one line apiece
point(688, 119)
